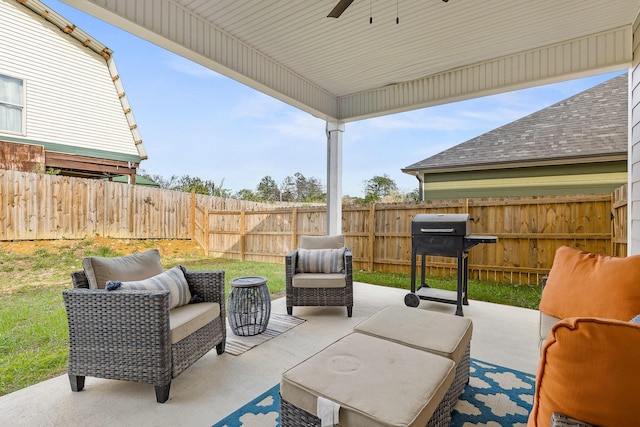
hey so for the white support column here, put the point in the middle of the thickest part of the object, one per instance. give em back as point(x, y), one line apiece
point(334, 177)
point(633, 196)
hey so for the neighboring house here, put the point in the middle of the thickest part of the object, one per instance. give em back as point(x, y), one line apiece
point(577, 146)
point(62, 104)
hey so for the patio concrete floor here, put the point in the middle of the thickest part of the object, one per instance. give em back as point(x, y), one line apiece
point(216, 385)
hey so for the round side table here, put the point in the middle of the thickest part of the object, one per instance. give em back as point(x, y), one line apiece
point(249, 305)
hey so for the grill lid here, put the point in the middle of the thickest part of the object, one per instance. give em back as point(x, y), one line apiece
point(441, 224)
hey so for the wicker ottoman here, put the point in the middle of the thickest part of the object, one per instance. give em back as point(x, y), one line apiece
point(375, 382)
point(438, 333)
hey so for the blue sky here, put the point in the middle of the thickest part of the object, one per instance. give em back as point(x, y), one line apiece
point(196, 122)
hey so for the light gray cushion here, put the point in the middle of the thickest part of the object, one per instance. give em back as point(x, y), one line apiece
point(186, 319)
point(319, 280)
point(321, 242)
point(172, 280)
point(321, 260)
point(125, 268)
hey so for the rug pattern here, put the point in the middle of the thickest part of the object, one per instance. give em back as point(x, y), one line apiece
point(278, 323)
point(495, 396)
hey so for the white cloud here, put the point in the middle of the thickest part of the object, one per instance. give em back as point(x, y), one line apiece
point(185, 66)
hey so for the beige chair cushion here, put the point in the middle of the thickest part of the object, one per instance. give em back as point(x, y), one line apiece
point(186, 319)
point(321, 242)
point(546, 323)
point(124, 268)
point(376, 382)
point(319, 280)
point(438, 333)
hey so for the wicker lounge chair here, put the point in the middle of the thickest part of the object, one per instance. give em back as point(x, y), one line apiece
point(126, 335)
point(312, 287)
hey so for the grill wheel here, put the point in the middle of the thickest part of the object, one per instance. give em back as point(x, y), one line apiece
point(411, 300)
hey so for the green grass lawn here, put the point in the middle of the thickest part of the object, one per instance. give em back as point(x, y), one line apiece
point(33, 325)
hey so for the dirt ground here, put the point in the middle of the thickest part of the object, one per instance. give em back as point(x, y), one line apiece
point(48, 263)
point(124, 246)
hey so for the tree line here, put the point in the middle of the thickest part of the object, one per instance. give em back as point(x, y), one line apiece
point(296, 188)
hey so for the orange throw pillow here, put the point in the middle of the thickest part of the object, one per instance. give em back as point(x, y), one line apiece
point(589, 371)
point(581, 284)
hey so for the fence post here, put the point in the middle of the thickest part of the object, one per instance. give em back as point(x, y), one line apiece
point(243, 231)
point(372, 235)
point(294, 228)
point(205, 231)
point(192, 211)
point(132, 204)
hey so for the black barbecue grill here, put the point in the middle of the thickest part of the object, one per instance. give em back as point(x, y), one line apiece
point(447, 235)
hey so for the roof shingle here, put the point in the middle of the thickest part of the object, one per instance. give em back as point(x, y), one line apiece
point(592, 123)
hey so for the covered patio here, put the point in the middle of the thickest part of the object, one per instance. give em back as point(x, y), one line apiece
point(215, 386)
point(414, 54)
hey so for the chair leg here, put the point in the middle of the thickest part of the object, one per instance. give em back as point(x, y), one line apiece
point(289, 310)
point(162, 392)
point(220, 347)
point(349, 310)
point(77, 382)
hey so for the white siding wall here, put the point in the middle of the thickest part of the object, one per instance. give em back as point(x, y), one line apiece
point(634, 145)
point(71, 98)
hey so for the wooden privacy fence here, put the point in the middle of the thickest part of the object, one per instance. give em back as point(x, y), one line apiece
point(529, 231)
point(40, 206)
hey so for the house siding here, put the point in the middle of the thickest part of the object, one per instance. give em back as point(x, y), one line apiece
point(71, 100)
point(633, 247)
point(596, 178)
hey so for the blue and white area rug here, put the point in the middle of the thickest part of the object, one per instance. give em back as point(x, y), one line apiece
point(495, 396)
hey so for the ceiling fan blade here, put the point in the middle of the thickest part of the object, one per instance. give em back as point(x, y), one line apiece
point(339, 8)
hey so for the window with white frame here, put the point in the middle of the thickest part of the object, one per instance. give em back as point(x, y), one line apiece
point(11, 104)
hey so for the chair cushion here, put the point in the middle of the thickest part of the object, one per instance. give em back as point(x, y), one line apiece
point(125, 268)
point(581, 284)
point(321, 260)
point(319, 280)
point(172, 280)
point(588, 371)
point(185, 320)
point(546, 322)
point(321, 242)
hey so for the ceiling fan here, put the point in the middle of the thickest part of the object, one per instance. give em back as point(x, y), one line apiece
point(339, 8)
point(342, 5)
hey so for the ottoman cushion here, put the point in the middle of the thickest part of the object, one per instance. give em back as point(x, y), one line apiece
point(376, 382)
point(443, 334)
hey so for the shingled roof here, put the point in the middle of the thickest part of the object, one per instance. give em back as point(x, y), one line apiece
point(587, 127)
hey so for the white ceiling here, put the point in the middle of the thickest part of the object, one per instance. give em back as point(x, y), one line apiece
point(348, 69)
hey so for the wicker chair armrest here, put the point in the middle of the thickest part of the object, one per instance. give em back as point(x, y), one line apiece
point(207, 284)
point(560, 420)
point(290, 261)
point(99, 305)
point(79, 279)
point(348, 264)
